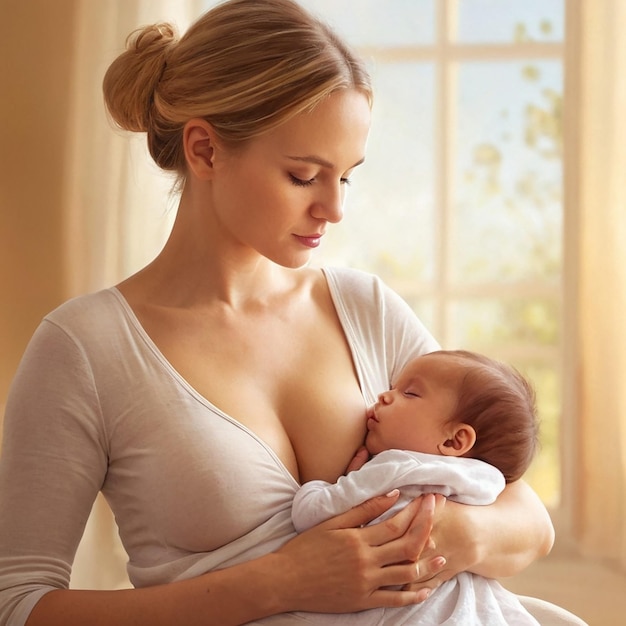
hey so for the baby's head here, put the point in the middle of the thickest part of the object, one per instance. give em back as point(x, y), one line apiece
point(458, 403)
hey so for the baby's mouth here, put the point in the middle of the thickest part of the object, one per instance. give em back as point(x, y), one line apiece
point(371, 415)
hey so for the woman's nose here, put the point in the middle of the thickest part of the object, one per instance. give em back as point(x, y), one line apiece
point(330, 206)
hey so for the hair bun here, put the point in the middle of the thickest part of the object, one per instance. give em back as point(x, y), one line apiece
point(132, 78)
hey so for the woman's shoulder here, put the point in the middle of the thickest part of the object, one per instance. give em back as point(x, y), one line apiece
point(349, 275)
point(365, 294)
point(365, 302)
point(70, 340)
point(84, 309)
point(88, 318)
point(355, 283)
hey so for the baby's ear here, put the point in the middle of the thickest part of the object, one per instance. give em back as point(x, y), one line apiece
point(460, 440)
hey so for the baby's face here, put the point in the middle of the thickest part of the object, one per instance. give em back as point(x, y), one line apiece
point(414, 413)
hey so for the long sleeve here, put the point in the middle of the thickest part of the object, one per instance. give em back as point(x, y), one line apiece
point(52, 465)
point(95, 407)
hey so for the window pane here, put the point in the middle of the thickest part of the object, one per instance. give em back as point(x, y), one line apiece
point(525, 333)
point(389, 213)
point(506, 191)
point(423, 306)
point(519, 323)
point(376, 23)
point(544, 474)
point(503, 21)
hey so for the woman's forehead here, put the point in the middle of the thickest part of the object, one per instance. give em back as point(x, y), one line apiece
point(335, 130)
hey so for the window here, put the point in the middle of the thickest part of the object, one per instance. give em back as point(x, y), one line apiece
point(459, 204)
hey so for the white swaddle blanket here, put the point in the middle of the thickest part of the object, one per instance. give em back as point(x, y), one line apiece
point(464, 600)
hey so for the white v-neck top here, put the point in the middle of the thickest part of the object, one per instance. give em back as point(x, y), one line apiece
point(95, 406)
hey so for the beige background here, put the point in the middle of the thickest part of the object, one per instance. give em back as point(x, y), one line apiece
point(34, 117)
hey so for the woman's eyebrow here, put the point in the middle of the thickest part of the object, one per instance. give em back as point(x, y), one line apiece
point(319, 161)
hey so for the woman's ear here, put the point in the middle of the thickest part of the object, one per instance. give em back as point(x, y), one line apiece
point(460, 439)
point(200, 143)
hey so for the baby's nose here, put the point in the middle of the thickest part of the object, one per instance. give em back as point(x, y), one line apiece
point(384, 397)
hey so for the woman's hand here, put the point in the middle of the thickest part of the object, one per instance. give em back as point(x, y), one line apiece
point(451, 536)
point(451, 531)
point(497, 540)
point(340, 566)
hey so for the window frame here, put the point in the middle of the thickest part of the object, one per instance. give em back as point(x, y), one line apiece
point(446, 55)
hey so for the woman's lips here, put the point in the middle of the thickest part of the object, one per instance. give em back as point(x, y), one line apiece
point(310, 241)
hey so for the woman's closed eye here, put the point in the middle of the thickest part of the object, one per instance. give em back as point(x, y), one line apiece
point(299, 182)
point(304, 182)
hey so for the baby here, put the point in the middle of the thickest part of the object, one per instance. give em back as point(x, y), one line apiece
point(455, 423)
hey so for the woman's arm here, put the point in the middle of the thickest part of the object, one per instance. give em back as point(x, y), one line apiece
point(335, 567)
point(512, 533)
point(497, 540)
point(494, 541)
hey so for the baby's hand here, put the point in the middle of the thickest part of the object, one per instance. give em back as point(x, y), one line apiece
point(361, 457)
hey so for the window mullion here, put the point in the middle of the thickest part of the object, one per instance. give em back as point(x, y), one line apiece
point(571, 227)
point(444, 115)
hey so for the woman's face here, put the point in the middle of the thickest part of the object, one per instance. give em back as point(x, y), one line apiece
point(277, 195)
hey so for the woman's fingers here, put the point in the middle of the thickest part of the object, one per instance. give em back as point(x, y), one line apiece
point(431, 567)
point(387, 598)
point(422, 525)
point(363, 513)
point(383, 557)
point(415, 519)
point(430, 562)
point(402, 537)
point(437, 575)
point(397, 575)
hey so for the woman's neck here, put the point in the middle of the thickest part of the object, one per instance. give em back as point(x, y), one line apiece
point(201, 265)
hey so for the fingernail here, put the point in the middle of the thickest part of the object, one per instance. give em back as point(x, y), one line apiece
point(423, 595)
point(393, 493)
point(439, 562)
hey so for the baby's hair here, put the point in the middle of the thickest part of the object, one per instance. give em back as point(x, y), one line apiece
point(245, 66)
point(500, 404)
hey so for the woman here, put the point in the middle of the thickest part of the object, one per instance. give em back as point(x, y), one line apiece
point(199, 393)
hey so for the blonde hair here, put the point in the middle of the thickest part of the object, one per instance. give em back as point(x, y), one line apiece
point(246, 66)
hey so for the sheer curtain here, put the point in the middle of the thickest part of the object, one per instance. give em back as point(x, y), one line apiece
point(599, 233)
point(118, 203)
point(119, 209)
